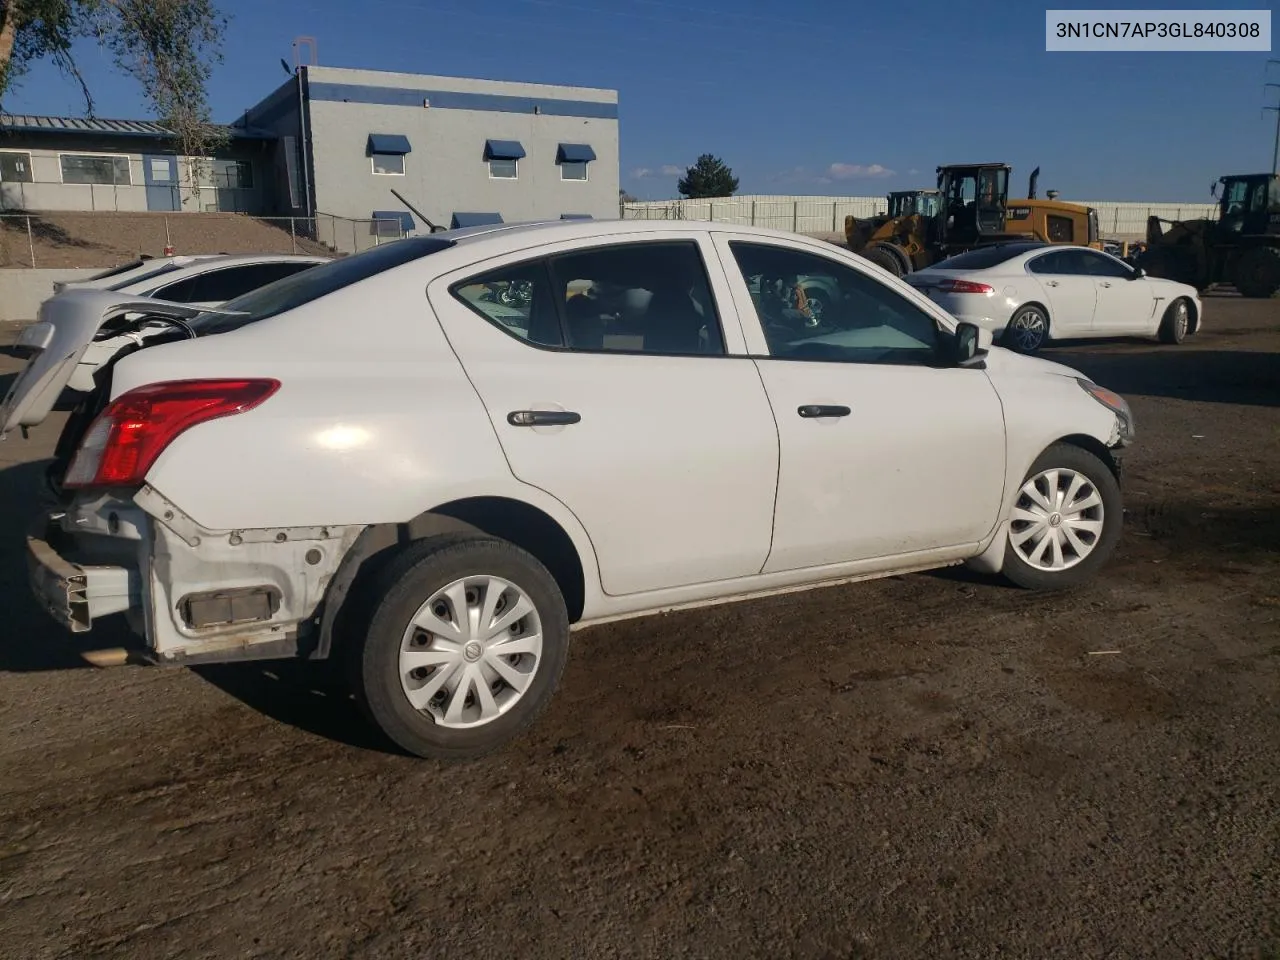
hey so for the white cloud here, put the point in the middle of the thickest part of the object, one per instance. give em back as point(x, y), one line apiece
point(671, 170)
point(912, 172)
point(857, 171)
point(666, 170)
point(641, 173)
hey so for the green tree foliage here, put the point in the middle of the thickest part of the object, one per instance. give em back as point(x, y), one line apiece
point(709, 177)
point(169, 46)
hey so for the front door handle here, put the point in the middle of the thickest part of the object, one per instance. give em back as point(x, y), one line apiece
point(1105, 283)
point(812, 411)
point(1051, 283)
point(542, 418)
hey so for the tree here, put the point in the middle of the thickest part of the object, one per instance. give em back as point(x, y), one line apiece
point(169, 46)
point(709, 177)
point(624, 197)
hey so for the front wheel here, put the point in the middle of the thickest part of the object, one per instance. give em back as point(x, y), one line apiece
point(465, 647)
point(1176, 323)
point(1065, 521)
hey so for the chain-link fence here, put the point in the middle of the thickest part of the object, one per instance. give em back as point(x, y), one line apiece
point(65, 239)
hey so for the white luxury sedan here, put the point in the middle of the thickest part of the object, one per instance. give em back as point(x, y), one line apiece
point(431, 458)
point(1028, 293)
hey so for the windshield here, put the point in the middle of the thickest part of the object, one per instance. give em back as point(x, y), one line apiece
point(984, 257)
point(314, 283)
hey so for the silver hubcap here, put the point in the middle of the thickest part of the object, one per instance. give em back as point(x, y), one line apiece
point(1057, 520)
point(471, 651)
point(1029, 329)
point(1180, 319)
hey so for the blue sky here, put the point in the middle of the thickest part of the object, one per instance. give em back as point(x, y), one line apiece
point(797, 96)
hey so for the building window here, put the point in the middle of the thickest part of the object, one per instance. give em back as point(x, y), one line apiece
point(95, 170)
point(573, 159)
point(504, 169)
point(388, 164)
point(15, 168)
point(231, 174)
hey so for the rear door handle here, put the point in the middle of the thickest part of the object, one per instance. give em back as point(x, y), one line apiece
point(811, 411)
point(1051, 283)
point(1105, 283)
point(542, 418)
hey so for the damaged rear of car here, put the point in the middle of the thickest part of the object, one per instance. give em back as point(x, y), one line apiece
point(109, 542)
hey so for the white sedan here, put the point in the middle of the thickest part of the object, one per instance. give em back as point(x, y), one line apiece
point(436, 493)
point(1027, 294)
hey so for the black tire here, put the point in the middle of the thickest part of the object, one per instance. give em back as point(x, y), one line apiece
point(886, 259)
point(1176, 323)
point(1019, 333)
point(1257, 272)
point(399, 591)
point(1065, 456)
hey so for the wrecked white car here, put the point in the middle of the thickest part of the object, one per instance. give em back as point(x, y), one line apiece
point(435, 456)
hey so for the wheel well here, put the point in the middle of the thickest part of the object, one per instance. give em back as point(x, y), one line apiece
point(1096, 447)
point(348, 603)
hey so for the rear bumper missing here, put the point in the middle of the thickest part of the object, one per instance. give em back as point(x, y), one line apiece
point(74, 594)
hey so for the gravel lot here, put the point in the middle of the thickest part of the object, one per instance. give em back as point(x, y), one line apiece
point(925, 766)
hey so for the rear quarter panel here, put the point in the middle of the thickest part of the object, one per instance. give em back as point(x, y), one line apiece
point(375, 420)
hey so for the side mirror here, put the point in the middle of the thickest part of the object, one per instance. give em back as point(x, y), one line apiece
point(971, 344)
point(1138, 273)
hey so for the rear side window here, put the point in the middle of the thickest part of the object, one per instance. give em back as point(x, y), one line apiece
point(319, 281)
point(629, 298)
point(984, 257)
point(216, 286)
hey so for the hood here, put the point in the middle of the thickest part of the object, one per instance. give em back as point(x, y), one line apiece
point(1000, 360)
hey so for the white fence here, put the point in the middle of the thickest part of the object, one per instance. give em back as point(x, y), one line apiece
point(825, 215)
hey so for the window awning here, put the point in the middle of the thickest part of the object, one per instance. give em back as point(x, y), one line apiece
point(404, 216)
point(503, 150)
point(575, 153)
point(396, 143)
point(575, 216)
point(473, 219)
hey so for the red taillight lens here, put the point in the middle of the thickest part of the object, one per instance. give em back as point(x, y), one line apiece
point(127, 437)
point(966, 286)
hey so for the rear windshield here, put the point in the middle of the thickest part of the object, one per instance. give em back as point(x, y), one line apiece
point(984, 257)
point(161, 268)
point(115, 271)
point(312, 284)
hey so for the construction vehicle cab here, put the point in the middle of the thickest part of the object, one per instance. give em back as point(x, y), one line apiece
point(974, 203)
point(908, 203)
point(1241, 247)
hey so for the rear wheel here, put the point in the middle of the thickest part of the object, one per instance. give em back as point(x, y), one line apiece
point(1028, 329)
point(886, 259)
point(1257, 272)
point(1065, 521)
point(1176, 323)
point(465, 647)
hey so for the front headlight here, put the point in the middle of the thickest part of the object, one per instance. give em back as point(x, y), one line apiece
point(1113, 402)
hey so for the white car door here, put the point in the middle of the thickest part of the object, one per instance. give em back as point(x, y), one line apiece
point(608, 378)
point(1127, 305)
point(884, 453)
point(1070, 290)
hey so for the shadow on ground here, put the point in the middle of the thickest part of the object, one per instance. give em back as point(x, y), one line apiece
point(1210, 376)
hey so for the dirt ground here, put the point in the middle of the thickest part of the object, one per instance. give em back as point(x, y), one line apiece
point(925, 766)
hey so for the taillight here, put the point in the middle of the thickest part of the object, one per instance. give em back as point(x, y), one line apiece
point(126, 438)
point(965, 286)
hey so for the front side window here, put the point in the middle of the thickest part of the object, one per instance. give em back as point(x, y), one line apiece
point(631, 298)
point(95, 170)
point(814, 308)
point(573, 170)
point(388, 164)
point(504, 169)
point(1100, 265)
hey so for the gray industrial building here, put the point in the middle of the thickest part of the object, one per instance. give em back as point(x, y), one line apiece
point(333, 142)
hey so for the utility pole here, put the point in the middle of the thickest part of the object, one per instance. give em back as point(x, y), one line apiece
point(1275, 153)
